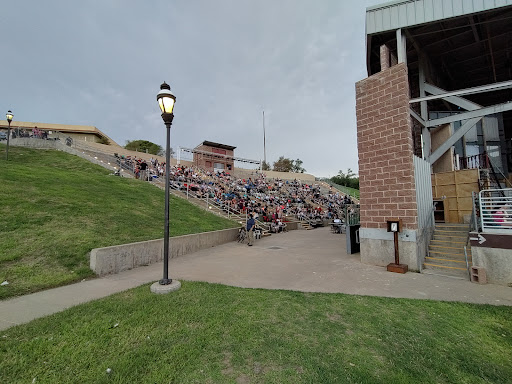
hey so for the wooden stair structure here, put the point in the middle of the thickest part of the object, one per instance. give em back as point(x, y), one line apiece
point(446, 251)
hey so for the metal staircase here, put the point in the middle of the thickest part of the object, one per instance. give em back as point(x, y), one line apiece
point(449, 252)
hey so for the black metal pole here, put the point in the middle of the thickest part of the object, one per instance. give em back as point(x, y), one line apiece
point(397, 257)
point(168, 121)
point(8, 135)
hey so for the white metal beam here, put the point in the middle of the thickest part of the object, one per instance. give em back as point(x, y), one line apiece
point(425, 133)
point(455, 100)
point(401, 47)
point(452, 140)
point(467, 91)
point(471, 114)
point(417, 117)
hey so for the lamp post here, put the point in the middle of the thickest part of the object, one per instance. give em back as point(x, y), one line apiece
point(166, 102)
point(9, 115)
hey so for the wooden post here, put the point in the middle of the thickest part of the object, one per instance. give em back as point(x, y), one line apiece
point(397, 257)
point(395, 226)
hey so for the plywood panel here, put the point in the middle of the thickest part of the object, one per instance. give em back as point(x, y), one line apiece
point(464, 190)
point(461, 216)
point(457, 186)
point(465, 204)
point(451, 203)
point(452, 216)
point(467, 176)
point(446, 190)
point(445, 178)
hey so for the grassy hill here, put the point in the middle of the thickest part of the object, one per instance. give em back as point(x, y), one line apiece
point(55, 208)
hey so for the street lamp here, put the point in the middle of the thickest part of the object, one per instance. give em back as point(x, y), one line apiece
point(9, 115)
point(166, 102)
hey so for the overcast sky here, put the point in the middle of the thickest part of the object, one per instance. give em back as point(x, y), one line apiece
point(101, 63)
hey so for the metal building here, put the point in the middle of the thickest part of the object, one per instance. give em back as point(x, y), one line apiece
point(460, 47)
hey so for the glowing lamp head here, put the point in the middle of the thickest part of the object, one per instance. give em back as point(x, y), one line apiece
point(9, 115)
point(166, 99)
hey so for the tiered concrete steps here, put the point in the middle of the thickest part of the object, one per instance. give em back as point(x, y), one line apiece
point(446, 251)
point(305, 225)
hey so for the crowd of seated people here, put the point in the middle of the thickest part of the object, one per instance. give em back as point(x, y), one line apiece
point(274, 201)
point(35, 133)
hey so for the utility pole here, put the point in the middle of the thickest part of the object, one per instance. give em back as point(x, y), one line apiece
point(264, 144)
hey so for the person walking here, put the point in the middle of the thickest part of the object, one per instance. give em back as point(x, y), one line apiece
point(251, 223)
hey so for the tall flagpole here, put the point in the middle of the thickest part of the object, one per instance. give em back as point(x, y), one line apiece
point(264, 144)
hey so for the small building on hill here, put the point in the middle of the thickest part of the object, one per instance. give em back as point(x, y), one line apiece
point(86, 133)
point(214, 156)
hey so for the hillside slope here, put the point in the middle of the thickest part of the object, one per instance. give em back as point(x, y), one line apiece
point(55, 208)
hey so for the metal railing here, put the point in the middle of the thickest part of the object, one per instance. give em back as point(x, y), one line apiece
point(475, 222)
point(480, 161)
point(352, 215)
point(212, 205)
point(496, 210)
point(467, 261)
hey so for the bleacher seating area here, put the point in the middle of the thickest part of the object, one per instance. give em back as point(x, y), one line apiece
point(274, 200)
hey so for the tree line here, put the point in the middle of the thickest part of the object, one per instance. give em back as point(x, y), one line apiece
point(347, 179)
point(284, 164)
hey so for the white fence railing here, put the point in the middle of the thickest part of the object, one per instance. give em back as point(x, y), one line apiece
point(496, 210)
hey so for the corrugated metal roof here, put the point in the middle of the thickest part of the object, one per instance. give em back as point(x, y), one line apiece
point(406, 13)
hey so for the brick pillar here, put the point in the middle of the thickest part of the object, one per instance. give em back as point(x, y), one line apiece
point(384, 57)
point(386, 170)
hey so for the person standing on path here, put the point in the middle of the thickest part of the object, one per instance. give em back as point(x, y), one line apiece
point(251, 223)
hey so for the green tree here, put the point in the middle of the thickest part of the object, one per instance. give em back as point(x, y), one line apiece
point(283, 165)
point(145, 146)
point(297, 166)
point(104, 140)
point(265, 166)
point(347, 179)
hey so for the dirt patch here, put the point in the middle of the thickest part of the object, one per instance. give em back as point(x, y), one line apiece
point(228, 367)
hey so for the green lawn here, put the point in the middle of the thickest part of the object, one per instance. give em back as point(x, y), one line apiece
point(55, 208)
point(346, 190)
point(209, 333)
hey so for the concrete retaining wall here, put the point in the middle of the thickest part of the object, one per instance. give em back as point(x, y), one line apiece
point(497, 263)
point(292, 225)
point(118, 258)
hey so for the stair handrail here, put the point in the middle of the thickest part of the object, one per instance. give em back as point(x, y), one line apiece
point(431, 224)
point(474, 222)
point(467, 263)
point(237, 214)
point(493, 166)
point(466, 256)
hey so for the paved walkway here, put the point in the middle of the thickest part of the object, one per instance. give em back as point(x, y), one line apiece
point(313, 261)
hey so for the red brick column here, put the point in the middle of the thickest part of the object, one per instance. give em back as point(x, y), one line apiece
point(384, 57)
point(385, 145)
